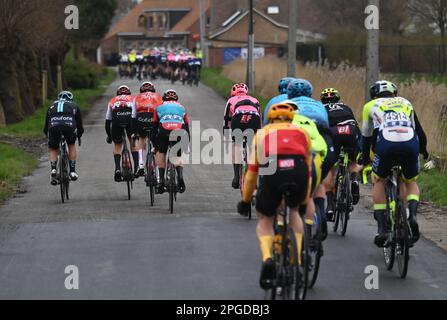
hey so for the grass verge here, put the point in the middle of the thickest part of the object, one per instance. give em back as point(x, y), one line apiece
point(212, 77)
point(433, 187)
point(15, 164)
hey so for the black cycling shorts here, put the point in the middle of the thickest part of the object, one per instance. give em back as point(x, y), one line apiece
point(331, 159)
point(55, 135)
point(246, 124)
point(295, 172)
point(162, 141)
point(119, 130)
point(346, 136)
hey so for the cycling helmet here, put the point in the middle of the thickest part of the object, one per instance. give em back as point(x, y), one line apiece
point(284, 111)
point(383, 89)
point(170, 95)
point(283, 84)
point(299, 88)
point(239, 89)
point(66, 95)
point(330, 95)
point(123, 91)
point(147, 87)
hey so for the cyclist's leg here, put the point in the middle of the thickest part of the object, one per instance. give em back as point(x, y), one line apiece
point(162, 146)
point(54, 138)
point(238, 139)
point(410, 171)
point(384, 161)
point(117, 138)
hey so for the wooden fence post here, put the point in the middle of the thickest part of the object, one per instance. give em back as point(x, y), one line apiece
point(44, 86)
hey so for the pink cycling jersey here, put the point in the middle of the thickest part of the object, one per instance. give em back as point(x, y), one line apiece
point(241, 105)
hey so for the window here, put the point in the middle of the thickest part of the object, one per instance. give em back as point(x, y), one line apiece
point(273, 10)
point(142, 21)
point(162, 21)
point(150, 23)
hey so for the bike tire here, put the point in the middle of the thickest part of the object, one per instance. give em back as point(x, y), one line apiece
point(402, 241)
point(62, 176)
point(315, 252)
point(127, 171)
point(302, 272)
point(151, 179)
point(347, 206)
point(389, 253)
point(171, 188)
point(337, 200)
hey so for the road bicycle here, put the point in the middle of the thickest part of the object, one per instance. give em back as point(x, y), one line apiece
point(291, 273)
point(150, 168)
point(343, 197)
point(63, 169)
point(398, 244)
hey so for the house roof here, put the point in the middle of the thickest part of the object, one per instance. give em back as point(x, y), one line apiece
point(236, 18)
point(129, 23)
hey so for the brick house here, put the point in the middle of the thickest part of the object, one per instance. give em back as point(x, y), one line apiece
point(155, 23)
point(229, 21)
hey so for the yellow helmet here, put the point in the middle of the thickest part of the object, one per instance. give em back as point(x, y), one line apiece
point(284, 111)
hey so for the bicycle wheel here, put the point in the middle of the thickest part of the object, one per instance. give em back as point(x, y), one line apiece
point(150, 177)
point(62, 174)
point(389, 252)
point(402, 241)
point(315, 248)
point(345, 215)
point(338, 196)
point(127, 171)
point(171, 187)
point(302, 270)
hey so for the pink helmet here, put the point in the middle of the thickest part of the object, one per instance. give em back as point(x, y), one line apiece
point(239, 89)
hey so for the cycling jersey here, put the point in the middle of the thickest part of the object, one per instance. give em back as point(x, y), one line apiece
point(314, 110)
point(318, 143)
point(146, 103)
point(241, 105)
point(171, 116)
point(120, 109)
point(339, 114)
point(273, 101)
point(274, 141)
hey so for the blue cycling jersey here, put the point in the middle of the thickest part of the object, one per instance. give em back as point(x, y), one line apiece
point(171, 112)
point(275, 100)
point(313, 109)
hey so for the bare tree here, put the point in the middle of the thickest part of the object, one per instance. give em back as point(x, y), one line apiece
point(431, 12)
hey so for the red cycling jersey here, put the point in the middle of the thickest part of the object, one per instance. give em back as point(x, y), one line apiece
point(119, 103)
point(146, 103)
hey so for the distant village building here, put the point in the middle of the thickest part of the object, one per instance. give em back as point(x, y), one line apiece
point(174, 23)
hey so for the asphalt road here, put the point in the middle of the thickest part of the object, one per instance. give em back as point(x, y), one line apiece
point(126, 250)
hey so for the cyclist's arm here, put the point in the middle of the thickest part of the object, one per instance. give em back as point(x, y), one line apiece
point(79, 122)
point(47, 122)
point(227, 117)
point(422, 136)
point(186, 119)
point(108, 126)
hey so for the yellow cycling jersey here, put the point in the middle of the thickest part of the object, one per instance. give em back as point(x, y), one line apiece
point(319, 145)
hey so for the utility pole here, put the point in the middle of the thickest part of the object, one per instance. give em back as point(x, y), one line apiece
point(372, 24)
point(202, 32)
point(251, 47)
point(291, 66)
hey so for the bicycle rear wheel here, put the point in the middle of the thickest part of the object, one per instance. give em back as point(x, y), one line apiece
point(171, 187)
point(345, 215)
point(150, 177)
point(402, 241)
point(62, 175)
point(338, 190)
point(389, 252)
point(127, 171)
point(315, 248)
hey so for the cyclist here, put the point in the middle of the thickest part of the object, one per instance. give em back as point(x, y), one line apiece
point(243, 113)
point(392, 128)
point(283, 84)
point(171, 117)
point(63, 118)
point(346, 134)
point(300, 91)
point(118, 123)
point(143, 111)
point(289, 147)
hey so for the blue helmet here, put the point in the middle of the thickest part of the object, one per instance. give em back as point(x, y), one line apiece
point(66, 95)
point(299, 88)
point(284, 83)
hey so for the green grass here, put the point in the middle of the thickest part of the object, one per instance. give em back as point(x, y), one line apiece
point(408, 78)
point(433, 187)
point(212, 78)
point(15, 164)
point(32, 127)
